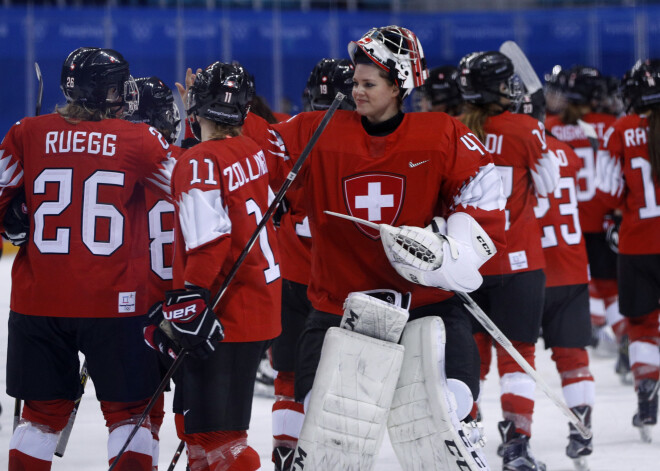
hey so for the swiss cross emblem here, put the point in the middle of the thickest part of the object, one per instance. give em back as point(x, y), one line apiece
point(376, 197)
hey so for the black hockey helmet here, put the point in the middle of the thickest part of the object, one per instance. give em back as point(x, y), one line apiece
point(554, 89)
point(157, 107)
point(482, 73)
point(328, 77)
point(98, 79)
point(641, 85)
point(221, 93)
point(442, 86)
point(585, 85)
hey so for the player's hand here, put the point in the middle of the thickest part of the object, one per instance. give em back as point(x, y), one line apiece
point(158, 338)
point(194, 324)
point(17, 221)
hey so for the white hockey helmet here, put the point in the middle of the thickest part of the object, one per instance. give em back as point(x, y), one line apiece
point(397, 51)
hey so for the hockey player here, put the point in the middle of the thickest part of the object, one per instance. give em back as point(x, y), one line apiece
point(630, 177)
point(566, 324)
point(384, 166)
point(585, 90)
point(441, 92)
point(220, 188)
point(328, 77)
point(78, 283)
point(554, 91)
point(513, 287)
point(157, 109)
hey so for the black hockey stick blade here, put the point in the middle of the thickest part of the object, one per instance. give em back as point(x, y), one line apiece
point(40, 94)
point(177, 455)
point(17, 412)
point(66, 432)
point(278, 198)
point(161, 388)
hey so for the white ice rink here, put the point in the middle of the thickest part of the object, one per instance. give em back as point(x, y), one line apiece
point(617, 446)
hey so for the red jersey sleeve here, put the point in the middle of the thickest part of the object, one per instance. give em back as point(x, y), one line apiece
point(11, 167)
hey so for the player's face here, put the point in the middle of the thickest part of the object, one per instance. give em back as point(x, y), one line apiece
point(375, 98)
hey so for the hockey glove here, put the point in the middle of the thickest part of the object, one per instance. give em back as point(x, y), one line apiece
point(450, 262)
point(158, 333)
point(194, 324)
point(16, 221)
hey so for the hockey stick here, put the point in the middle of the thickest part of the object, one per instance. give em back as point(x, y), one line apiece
point(177, 455)
point(66, 432)
point(521, 66)
point(280, 195)
point(590, 132)
point(497, 334)
point(239, 261)
point(40, 94)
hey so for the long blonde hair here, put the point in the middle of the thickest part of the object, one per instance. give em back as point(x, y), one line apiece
point(73, 113)
point(475, 117)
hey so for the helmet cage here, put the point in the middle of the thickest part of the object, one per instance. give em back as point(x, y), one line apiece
point(157, 108)
point(397, 51)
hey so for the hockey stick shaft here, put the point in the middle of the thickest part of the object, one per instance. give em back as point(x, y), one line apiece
point(280, 195)
point(500, 338)
point(161, 388)
point(63, 440)
point(177, 455)
point(40, 94)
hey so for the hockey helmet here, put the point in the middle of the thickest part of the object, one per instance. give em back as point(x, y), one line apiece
point(554, 89)
point(442, 86)
point(481, 76)
point(640, 86)
point(99, 79)
point(157, 107)
point(585, 85)
point(328, 77)
point(221, 93)
point(397, 51)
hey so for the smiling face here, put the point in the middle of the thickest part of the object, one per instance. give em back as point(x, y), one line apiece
point(375, 97)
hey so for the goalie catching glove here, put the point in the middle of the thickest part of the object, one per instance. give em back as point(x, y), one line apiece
point(442, 255)
point(194, 324)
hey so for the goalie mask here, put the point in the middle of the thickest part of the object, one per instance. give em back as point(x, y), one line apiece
point(99, 79)
point(157, 108)
point(222, 94)
point(640, 86)
point(397, 51)
point(328, 77)
point(482, 76)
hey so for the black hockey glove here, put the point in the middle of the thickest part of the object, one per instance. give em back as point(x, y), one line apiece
point(194, 324)
point(16, 221)
point(155, 334)
point(612, 226)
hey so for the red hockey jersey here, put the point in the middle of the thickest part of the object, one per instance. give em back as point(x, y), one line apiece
point(526, 166)
point(221, 192)
point(626, 179)
point(84, 186)
point(430, 165)
point(562, 241)
point(591, 208)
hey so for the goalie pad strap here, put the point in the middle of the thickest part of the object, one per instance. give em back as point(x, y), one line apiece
point(424, 429)
point(345, 421)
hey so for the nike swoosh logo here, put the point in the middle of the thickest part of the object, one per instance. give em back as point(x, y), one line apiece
point(413, 165)
point(186, 411)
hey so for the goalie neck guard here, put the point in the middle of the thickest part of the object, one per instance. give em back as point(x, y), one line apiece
point(397, 51)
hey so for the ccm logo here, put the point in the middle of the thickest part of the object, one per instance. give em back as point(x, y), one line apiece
point(485, 245)
point(181, 315)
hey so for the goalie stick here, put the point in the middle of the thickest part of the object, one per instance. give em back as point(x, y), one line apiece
point(493, 330)
point(37, 112)
point(239, 261)
point(63, 440)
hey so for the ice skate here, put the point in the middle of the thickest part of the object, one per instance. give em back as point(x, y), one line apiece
point(283, 458)
point(517, 455)
point(264, 384)
point(622, 367)
point(579, 447)
point(647, 408)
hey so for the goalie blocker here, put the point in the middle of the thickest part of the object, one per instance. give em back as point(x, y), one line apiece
point(358, 379)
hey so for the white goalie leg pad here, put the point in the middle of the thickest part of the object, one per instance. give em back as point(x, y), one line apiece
point(423, 425)
point(371, 316)
point(347, 412)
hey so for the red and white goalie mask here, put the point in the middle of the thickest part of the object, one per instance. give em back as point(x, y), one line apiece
point(397, 51)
